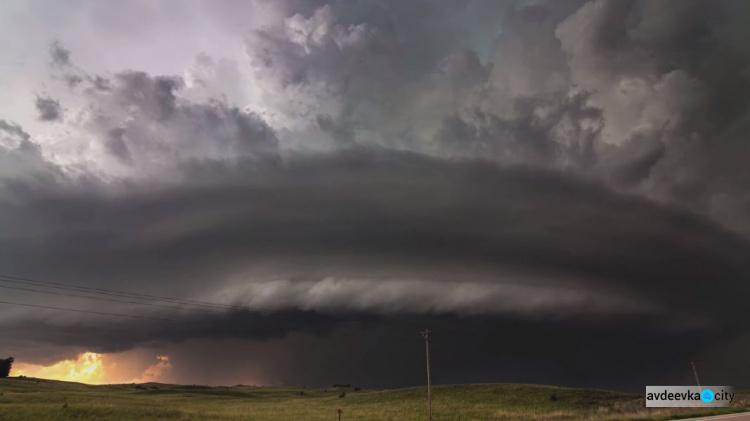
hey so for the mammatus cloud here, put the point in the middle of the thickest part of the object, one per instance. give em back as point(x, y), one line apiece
point(565, 167)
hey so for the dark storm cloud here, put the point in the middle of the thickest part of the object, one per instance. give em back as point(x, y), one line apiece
point(116, 145)
point(674, 59)
point(14, 131)
point(23, 169)
point(142, 123)
point(387, 352)
point(107, 335)
point(63, 67)
point(387, 75)
point(390, 216)
point(154, 96)
point(49, 108)
point(59, 55)
point(526, 138)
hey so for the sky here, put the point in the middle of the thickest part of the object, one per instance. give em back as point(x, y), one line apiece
point(558, 189)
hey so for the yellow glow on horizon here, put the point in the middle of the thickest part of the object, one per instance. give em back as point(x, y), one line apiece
point(88, 368)
point(95, 368)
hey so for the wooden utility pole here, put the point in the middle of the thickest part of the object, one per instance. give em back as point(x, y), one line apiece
point(426, 336)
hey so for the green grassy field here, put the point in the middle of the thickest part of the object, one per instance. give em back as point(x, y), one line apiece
point(37, 399)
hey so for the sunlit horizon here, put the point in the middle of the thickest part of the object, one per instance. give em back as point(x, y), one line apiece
point(93, 368)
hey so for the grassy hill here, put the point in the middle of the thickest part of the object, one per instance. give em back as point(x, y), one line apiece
point(37, 399)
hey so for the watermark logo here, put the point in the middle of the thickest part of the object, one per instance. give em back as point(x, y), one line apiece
point(689, 396)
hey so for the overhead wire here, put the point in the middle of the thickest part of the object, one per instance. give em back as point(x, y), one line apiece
point(149, 300)
point(109, 292)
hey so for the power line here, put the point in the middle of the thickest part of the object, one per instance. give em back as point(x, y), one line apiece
point(95, 312)
point(400, 332)
point(115, 293)
point(111, 300)
point(130, 316)
point(103, 291)
point(209, 307)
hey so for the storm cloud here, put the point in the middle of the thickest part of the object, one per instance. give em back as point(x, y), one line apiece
point(549, 184)
point(49, 108)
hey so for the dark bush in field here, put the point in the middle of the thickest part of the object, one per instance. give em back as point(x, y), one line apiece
point(5, 366)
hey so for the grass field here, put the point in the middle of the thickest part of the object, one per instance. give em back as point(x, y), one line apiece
point(37, 399)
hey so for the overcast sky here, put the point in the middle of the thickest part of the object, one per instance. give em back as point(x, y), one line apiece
point(557, 188)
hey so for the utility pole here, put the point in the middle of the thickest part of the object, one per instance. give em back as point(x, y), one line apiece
point(696, 376)
point(426, 335)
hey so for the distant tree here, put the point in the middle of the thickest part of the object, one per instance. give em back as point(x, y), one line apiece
point(5, 366)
